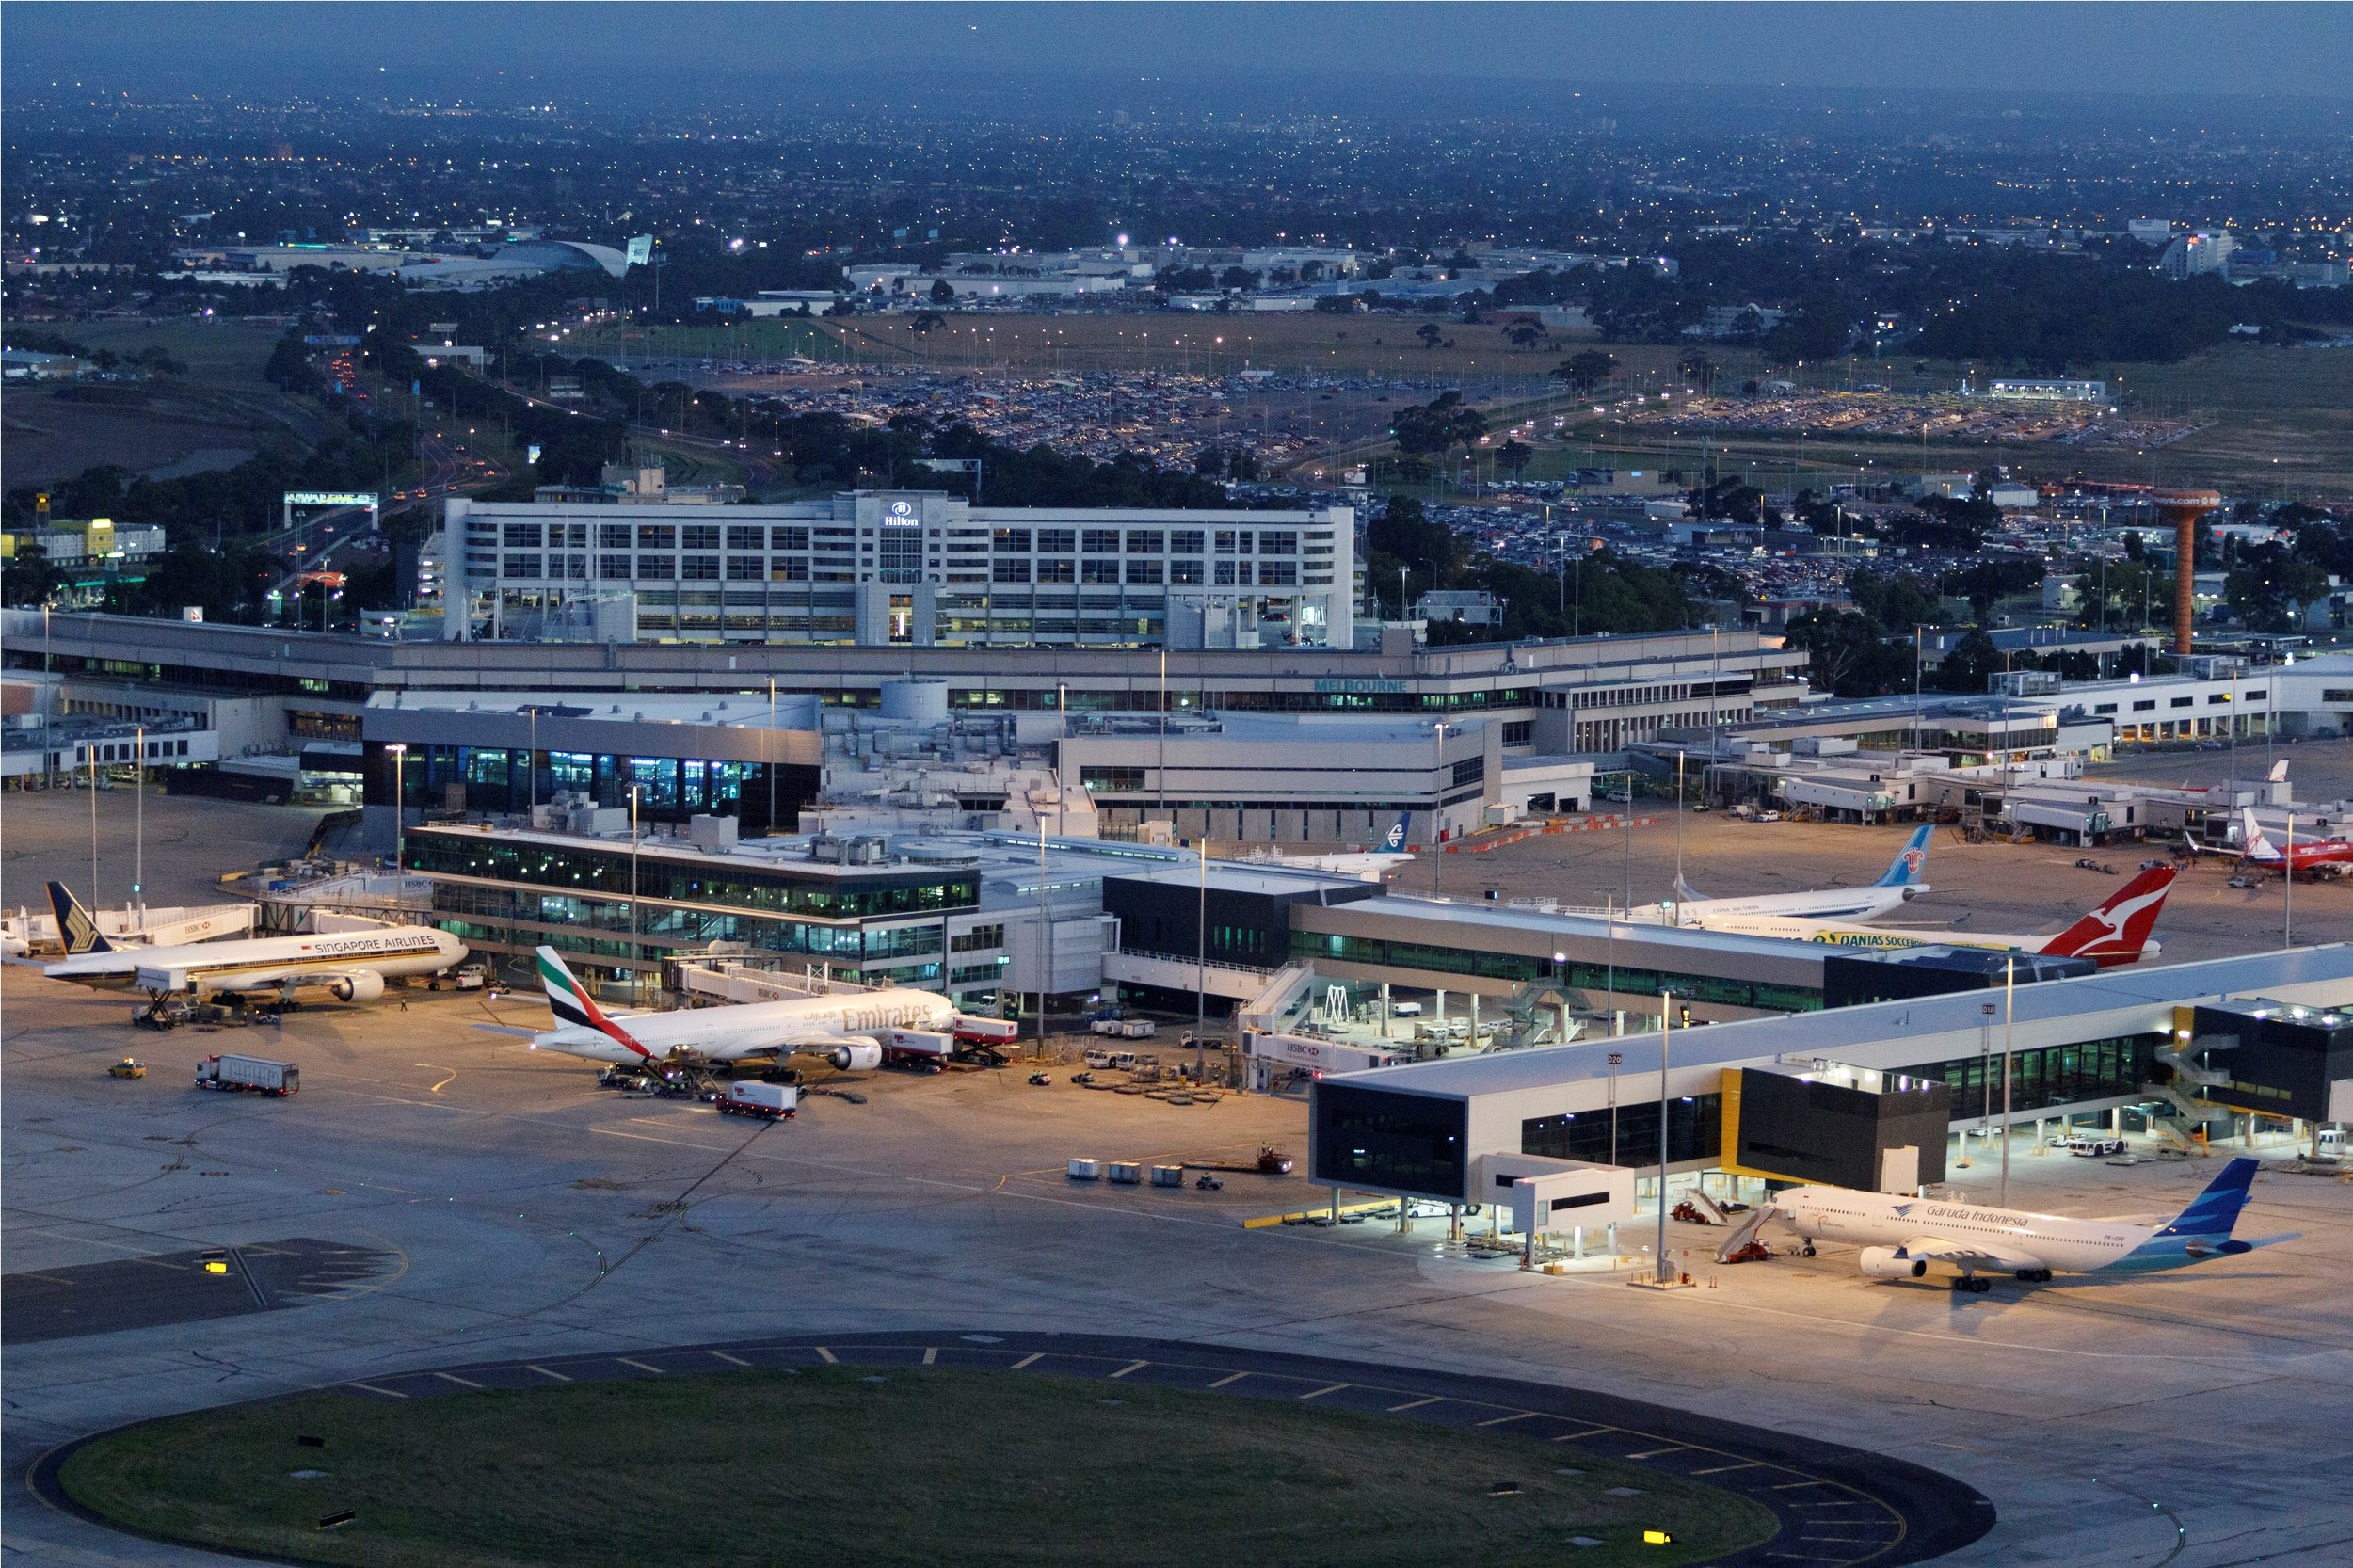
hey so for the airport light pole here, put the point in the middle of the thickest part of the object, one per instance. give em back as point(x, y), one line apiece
point(138, 831)
point(1666, 1022)
point(93, 751)
point(2010, 1020)
point(400, 798)
point(768, 749)
point(1437, 820)
point(637, 920)
point(2287, 884)
point(1201, 962)
point(1617, 1060)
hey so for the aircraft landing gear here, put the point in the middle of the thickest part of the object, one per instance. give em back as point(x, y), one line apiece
point(1806, 1251)
point(1972, 1284)
point(2035, 1276)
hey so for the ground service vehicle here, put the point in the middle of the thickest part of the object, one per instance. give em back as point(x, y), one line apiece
point(255, 1075)
point(776, 1102)
point(130, 1066)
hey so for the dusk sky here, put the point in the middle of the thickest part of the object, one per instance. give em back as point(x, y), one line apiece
point(2142, 49)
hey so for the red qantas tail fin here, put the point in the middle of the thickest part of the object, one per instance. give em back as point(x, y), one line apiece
point(2118, 931)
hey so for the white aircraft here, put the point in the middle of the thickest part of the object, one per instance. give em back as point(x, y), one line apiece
point(1901, 880)
point(1903, 1236)
point(853, 1030)
point(352, 965)
point(2114, 933)
point(1367, 865)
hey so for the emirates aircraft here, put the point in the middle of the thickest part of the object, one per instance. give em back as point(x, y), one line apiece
point(1903, 1236)
point(2116, 933)
point(853, 1030)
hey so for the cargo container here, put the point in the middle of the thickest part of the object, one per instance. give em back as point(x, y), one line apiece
point(776, 1102)
point(255, 1075)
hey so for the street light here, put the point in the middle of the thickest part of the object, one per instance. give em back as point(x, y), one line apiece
point(138, 788)
point(400, 797)
point(1438, 840)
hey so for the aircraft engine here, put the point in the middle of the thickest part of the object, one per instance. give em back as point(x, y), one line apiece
point(855, 1057)
point(1887, 1263)
point(364, 987)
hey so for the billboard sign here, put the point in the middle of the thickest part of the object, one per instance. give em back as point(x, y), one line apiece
point(640, 250)
point(330, 498)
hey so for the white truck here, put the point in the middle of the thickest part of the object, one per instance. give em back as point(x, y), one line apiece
point(776, 1102)
point(253, 1075)
point(1125, 1029)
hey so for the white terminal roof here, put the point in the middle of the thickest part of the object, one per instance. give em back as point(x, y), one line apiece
point(1835, 1032)
point(747, 709)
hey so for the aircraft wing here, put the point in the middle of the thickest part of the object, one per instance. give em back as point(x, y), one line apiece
point(1969, 1255)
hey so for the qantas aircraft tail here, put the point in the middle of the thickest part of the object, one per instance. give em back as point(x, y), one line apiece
point(2118, 931)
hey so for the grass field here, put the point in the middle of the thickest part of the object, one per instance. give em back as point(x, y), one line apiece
point(918, 1467)
point(215, 414)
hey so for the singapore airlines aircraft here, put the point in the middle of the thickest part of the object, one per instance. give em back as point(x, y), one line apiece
point(1903, 1236)
point(2114, 933)
point(853, 1030)
point(352, 966)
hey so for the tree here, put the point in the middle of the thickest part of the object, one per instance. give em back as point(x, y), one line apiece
point(1437, 427)
point(1586, 368)
point(1848, 655)
point(1694, 367)
point(1969, 664)
point(1512, 457)
point(943, 292)
point(2269, 588)
point(926, 320)
point(26, 578)
point(1524, 334)
point(1431, 333)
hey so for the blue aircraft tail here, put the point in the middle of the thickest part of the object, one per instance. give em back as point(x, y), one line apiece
point(75, 929)
point(2214, 1211)
point(1913, 863)
point(1393, 842)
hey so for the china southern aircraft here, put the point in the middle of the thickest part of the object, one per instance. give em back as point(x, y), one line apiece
point(1902, 1236)
point(854, 1030)
point(1901, 880)
point(352, 966)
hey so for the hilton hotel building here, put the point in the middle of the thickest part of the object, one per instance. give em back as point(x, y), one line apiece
point(913, 569)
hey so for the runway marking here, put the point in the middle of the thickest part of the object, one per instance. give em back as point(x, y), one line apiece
point(545, 1372)
point(1653, 1453)
point(732, 1360)
point(641, 1366)
point(387, 1393)
point(1132, 1367)
point(1799, 1485)
point(825, 1355)
point(1416, 1404)
point(930, 1355)
point(1231, 1377)
point(1725, 1469)
point(46, 1279)
point(446, 1082)
point(1506, 1420)
point(452, 1377)
point(1333, 1388)
point(1034, 1355)
point(1577, 1436)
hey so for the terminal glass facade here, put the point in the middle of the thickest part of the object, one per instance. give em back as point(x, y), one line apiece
point(1629, 1134)
point(1391, 1143)
point(669, 789)
point(2048, 1076)
point(1583, 974)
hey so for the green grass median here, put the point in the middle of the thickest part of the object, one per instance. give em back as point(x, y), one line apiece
point(924, 1466)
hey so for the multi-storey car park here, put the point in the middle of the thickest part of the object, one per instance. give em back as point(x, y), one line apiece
point(912, 569)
